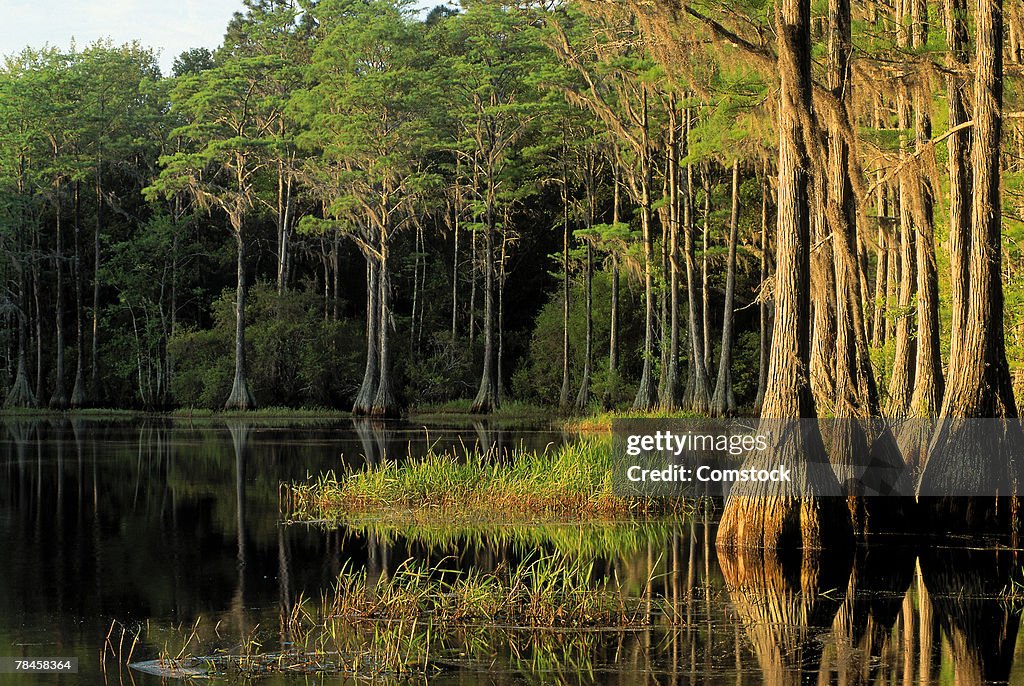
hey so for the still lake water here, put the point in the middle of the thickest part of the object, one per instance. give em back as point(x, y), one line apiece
point(155, 525)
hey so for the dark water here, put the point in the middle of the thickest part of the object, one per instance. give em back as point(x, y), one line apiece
point(156, 525)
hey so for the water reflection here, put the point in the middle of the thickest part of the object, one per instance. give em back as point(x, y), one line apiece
point(156, 524)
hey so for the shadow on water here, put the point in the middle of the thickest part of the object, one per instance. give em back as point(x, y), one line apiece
point(158, 524)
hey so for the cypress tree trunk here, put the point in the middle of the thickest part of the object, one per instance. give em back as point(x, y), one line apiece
point(583, 397)
point(563, 396)
point(803, 514)
point(902, 380)
point(613, 335)
point(823, 307)
point(700, 399)
point(78, 398)
point(764, 337)
point(487, 395)
point(670, 391)
point(928, 382)
point(878, 328)
point(958, 146)
point(384, 403)
point(705, 289)
point(965, 457)
point(371, 375)
point(240, 397)
point(59, 398)
point(646, 395)
point(94, 380)
point(723, 402)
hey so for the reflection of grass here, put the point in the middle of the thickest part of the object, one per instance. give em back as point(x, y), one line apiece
point(539, 592)
point(570, 483)
point(421, 620)
point(603, 422)
point(587, 540)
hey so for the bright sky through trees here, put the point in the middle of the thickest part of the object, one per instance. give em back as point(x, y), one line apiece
point(169, 25)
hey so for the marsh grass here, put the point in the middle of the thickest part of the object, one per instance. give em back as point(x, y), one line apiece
point(602, 421)
point(420, 620)
point(570, 483)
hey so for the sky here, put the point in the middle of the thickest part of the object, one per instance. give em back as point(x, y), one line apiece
point(172, 26)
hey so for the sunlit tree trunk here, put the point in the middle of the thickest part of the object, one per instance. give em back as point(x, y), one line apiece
point(723, 402)
point(807, 515)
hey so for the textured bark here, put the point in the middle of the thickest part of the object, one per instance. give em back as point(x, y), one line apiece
point(958, 146)
point(879, 327)
point(240, 398)
point(724, 402)
point(805, 512)
point(823, 307)
point(928, 381)
point(764, 313)
point(902, 379)
point(979, 383)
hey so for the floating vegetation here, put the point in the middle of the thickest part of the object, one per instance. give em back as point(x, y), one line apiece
point(569, 483)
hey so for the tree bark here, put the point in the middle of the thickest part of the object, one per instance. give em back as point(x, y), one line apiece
point(487, 399)
point(384, 402)
point(964, 456)
point(803, 514)
point(371, 375)
point(240, 398)
point(764, 313)
point(59, 398)
point(646, 395)
point(724, 402)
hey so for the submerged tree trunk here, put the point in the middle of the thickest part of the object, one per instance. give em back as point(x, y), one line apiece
point(723, 402)
point(240, 397)
point(802, 514)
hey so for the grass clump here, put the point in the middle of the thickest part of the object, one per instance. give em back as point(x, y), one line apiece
point(553, 591)
point(569, 483)
point(602, 421)
point(418, 621)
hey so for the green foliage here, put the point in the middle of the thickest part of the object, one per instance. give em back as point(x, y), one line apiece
point(296, 356)
point(539, 377)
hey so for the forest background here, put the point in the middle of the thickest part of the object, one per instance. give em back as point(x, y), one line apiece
point(347, 205)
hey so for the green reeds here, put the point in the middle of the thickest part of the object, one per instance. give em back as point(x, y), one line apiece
point(569, 483)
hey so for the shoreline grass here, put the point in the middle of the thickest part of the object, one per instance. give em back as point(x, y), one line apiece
point(570, 483)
